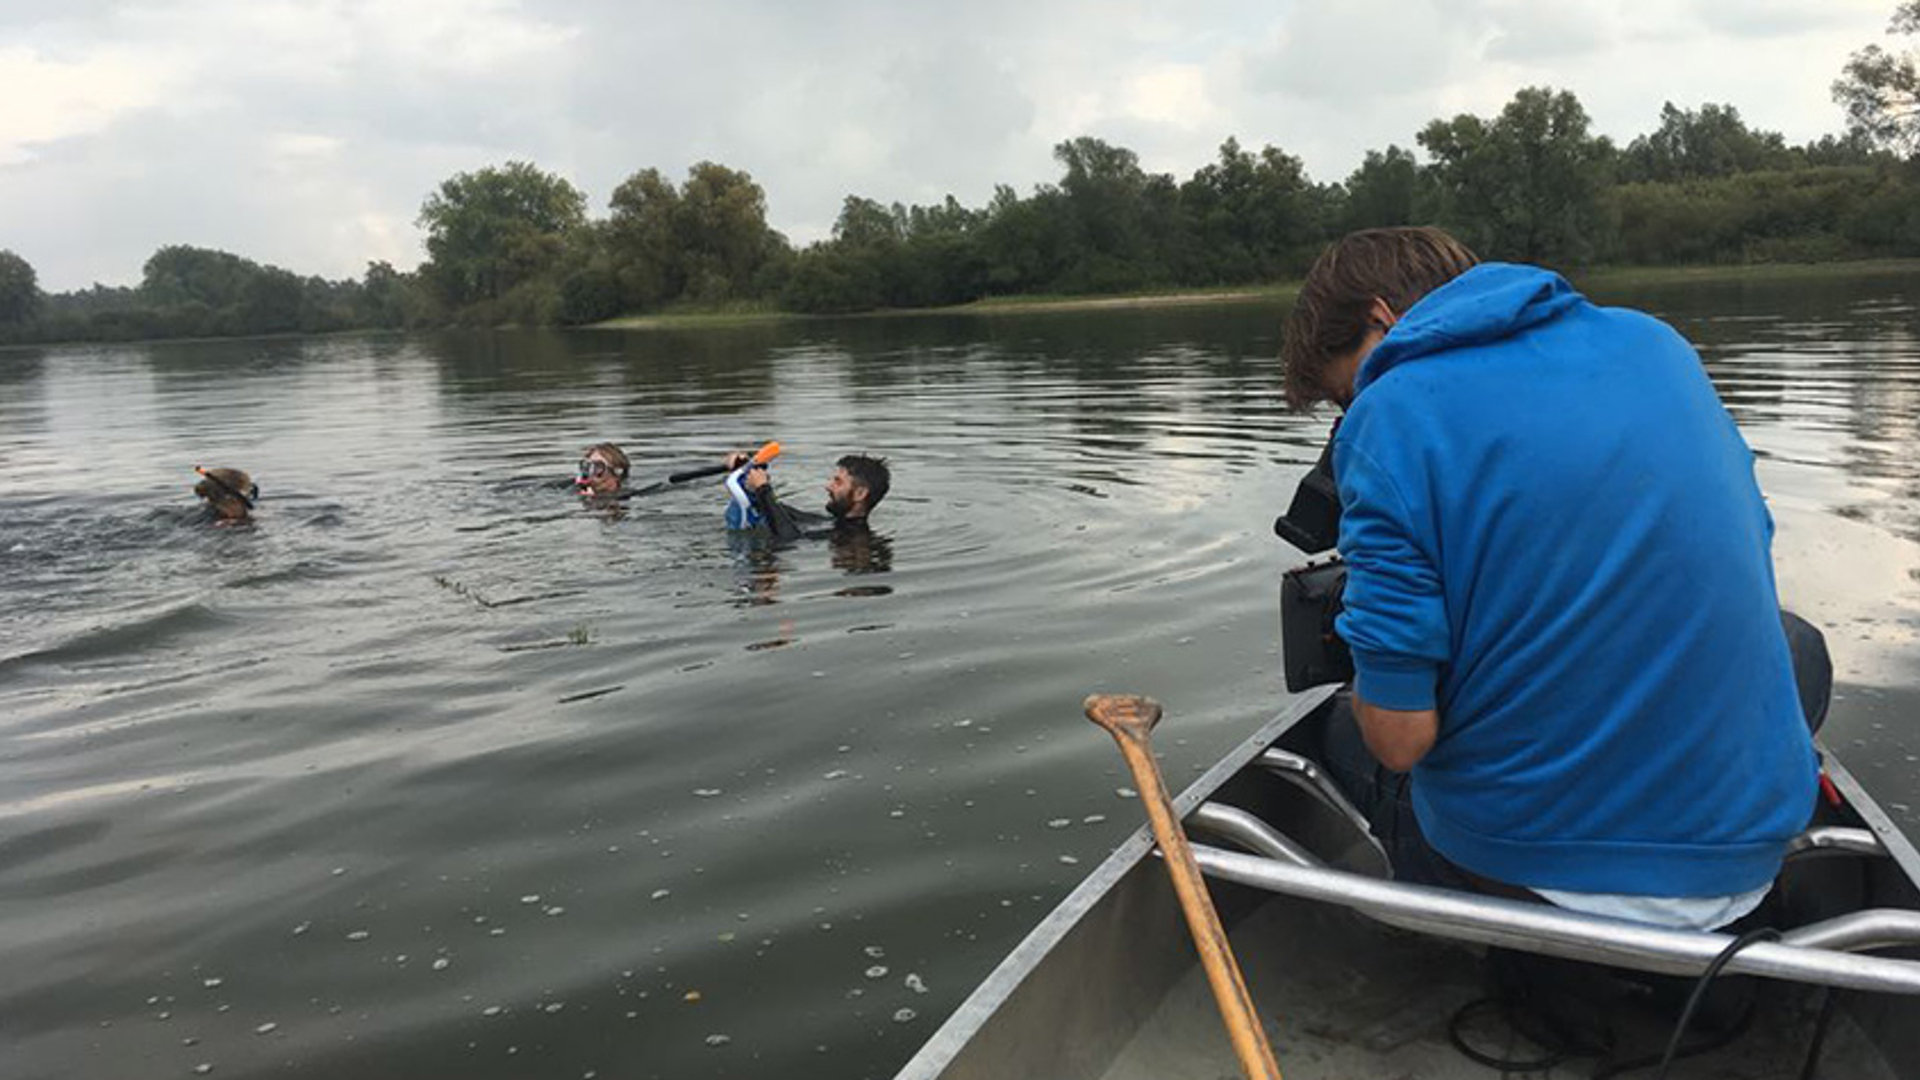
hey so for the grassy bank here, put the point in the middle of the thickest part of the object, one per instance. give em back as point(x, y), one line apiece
point(1628, 277)
point(1605, 277)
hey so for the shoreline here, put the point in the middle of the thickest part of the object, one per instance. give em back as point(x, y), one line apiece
point(1598, 277)
point(744, 315)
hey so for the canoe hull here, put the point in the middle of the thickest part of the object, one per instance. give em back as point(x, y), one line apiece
point(1108, 987)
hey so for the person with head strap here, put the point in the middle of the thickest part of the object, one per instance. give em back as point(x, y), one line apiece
point(602, 472)
point(230, 494)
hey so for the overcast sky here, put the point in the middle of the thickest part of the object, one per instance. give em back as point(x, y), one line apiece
point(305, 133)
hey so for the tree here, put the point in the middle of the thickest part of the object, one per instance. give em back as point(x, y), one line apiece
point(641, 241)
point(498, 227)
point(271, 302)
point(1385, 190)
point(382, 299)
point(19, 290)
point(864, 223)
point(1709, 143)
point(1880, 91)
point(709, 240)
point(1026, 242)
point(1527, 184)
point(1251, 214)
point(1102, 189)
point(180, 274)
point(723, 231)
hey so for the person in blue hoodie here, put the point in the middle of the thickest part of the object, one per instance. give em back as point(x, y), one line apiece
point(1560, 599)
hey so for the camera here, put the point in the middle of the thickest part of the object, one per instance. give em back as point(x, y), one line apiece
point(1312, 652)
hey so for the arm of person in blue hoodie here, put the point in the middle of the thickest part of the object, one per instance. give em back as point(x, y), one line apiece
point(1395, 620)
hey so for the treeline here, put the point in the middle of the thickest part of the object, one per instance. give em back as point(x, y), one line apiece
point(198, 292)
point(515, 245)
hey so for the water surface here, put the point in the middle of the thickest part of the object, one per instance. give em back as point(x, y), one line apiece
point(436, 771)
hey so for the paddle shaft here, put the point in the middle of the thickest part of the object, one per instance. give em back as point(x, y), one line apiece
point(1129, 720)
point(766, 453)
point(694, 474)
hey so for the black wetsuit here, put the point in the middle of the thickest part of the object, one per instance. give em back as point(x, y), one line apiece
point(788, 523)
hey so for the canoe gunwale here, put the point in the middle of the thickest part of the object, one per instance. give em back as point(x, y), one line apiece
point(1541, 928)
point(986, 999)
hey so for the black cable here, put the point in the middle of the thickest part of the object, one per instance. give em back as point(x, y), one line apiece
point(1733, 948)
point(1481, 1057)
point(1708, 1045)
point(1819, 1034)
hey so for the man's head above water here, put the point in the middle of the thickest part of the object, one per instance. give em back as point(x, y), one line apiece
point(229, 492)
point(857, 485)
point(603, 469)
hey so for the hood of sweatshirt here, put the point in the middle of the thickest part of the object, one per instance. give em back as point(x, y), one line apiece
point(1490, 302)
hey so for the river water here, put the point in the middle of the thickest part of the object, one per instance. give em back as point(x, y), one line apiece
point(434, 771)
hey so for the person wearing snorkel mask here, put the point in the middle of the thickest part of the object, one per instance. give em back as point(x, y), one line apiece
point(603, 471)
point(230, 494)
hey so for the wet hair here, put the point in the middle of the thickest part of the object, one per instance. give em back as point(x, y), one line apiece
point(870, 473)
point(221, 485)
point(1329, 320)
point(614, 455)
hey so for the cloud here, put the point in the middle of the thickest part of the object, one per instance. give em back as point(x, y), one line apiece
point(1782, 18)
point(306, 132)
point(51, 98)
point(1532, 33)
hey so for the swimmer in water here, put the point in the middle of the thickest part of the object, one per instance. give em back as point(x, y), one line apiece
point(603, 471)
point(857, 485)
point(230, 494)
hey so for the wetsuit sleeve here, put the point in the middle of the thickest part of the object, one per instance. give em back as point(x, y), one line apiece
point(1395, 620)
point(741, 512)
point(767, 507)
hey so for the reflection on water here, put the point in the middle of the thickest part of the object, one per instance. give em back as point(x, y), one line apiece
point(439, 770)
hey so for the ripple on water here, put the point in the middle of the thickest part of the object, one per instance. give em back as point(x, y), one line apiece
point(433, 706)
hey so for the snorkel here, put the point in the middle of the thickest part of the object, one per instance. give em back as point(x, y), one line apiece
point(223, 488)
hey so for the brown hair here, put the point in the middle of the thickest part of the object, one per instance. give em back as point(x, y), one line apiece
point(229, 492)
point(1398, 266)
point(870, 473)
point(615, 456)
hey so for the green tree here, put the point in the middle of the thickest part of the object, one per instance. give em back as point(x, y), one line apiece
point(1252, 215)
point(1527, 184)
point(1852, 148)
point(1386, 190)
point(1692, 145)
point(1027, 243)
point(723, 233)
point(271, 302)
point(493, 229)
point(895, 256)
point(19, 290)
point(707, 241)
point(1102, 191)
point(864, 223)
point(1880, 90)
point(641, 240)
point(180, 274)
point(590, 288)
point(382, 300)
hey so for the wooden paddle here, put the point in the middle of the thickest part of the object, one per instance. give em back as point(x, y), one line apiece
point(1129, 718)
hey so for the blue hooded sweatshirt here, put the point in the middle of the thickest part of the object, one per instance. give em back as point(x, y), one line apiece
point(1556, 540)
